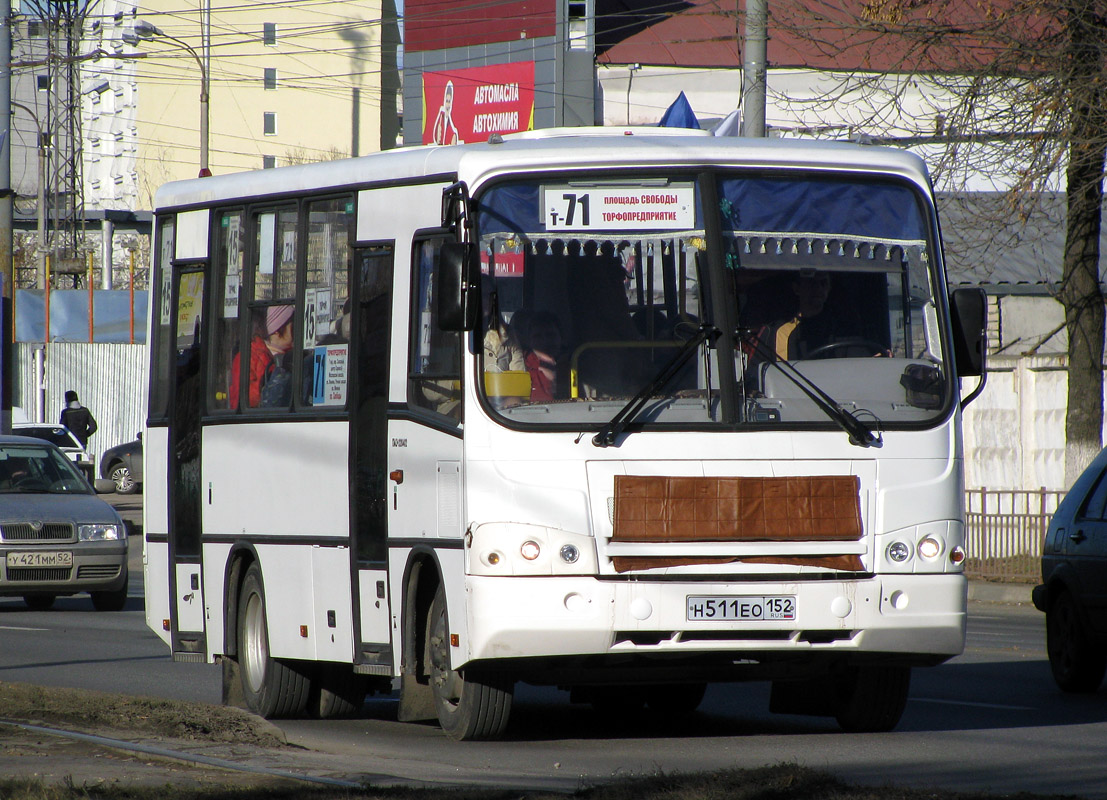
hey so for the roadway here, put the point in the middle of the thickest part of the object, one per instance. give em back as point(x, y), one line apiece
point(989, 720)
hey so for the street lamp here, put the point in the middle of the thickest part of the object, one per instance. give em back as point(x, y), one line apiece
point(144, 30)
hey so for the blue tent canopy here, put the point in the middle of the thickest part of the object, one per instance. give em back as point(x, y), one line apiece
point(679, 115)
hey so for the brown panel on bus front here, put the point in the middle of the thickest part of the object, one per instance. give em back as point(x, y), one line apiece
point(817, 508)
point(842, 563)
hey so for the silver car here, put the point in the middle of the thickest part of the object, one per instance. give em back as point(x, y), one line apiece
point(62, 437)
point(56, 536)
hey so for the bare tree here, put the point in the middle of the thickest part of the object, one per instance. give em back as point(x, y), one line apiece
point(1012, 90)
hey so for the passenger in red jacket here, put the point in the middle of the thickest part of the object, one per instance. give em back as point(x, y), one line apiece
point(266, 362)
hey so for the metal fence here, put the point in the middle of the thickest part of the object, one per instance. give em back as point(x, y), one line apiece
point(1005, 530)
point(109, 378)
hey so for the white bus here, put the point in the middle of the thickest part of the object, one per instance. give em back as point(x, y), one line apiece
point(622, 412)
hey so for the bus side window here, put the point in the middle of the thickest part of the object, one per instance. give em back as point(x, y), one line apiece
point(434, 381)
point(225, 328)
point(325, 347)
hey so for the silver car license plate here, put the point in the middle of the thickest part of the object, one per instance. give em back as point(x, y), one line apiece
point(755, 608)
point(62, 558)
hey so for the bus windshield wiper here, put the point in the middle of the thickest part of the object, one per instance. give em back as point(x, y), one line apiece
point(609, 432)
point(859, 433)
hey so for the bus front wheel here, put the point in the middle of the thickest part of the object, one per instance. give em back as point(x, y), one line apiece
point(470, 705)
point(271, 688)
point(871, 699)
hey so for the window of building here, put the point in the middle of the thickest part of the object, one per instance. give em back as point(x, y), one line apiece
point(268, 162)
point(269, 33)
point(43, 82)
point(579, 16)
point(34, 28)
point(270, 78)
point(269, 123)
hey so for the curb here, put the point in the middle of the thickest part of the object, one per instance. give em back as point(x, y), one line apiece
point(1000, 592)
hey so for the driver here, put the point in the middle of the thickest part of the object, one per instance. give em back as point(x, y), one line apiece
point(811, 324)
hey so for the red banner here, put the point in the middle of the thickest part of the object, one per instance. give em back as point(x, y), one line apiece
point(469, 105)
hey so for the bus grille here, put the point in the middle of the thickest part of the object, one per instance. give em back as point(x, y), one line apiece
point(52, 574)
point(24, 532)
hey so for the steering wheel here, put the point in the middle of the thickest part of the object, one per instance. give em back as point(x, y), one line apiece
point(28, 482)
point(854, 341)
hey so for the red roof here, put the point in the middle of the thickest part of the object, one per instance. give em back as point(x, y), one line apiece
point(948, 36)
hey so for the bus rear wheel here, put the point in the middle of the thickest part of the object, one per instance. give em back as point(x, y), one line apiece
point(470, 705)
point(271, 687)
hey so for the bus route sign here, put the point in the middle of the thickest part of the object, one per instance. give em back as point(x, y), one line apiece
point(572, 208)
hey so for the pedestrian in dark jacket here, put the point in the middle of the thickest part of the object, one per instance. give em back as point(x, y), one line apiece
point(77, 418)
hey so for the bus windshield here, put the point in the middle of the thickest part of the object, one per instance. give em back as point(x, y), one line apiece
point(591, 289)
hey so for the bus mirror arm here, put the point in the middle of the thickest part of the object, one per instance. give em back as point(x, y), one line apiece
point(969, 315)
point(455, 210)
point(458, 286)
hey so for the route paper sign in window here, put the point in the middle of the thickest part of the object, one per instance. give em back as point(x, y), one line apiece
point(572, 208)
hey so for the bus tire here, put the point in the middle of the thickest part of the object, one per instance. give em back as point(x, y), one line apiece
point(336, 692)
point(272, 688)
point(677, 700)
point(871, 699)
point(470, 705)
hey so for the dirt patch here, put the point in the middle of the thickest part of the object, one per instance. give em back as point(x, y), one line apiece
point(108, 714)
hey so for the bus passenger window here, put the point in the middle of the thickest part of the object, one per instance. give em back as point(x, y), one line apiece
point(225, 329)
point(435, 371)
point(325, 349)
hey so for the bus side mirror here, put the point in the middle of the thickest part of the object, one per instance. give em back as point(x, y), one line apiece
point(457, 286)
point(970, 315)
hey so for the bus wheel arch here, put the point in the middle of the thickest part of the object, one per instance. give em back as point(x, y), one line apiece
point(422, 577)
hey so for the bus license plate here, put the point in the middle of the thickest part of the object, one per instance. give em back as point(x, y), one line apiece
point(49, 559)
point(741, 609)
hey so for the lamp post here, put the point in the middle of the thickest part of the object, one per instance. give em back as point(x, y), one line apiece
point(144, 30)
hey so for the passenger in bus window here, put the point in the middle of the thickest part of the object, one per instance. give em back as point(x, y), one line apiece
point(268, 370)
point(502, 352)
point(542, 358)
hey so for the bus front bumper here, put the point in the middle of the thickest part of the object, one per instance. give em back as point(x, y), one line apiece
point(906, 615)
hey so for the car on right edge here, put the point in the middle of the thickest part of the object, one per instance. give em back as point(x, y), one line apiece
point(1073, 592)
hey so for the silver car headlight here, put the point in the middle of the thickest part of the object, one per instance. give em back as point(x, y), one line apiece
point(99, 533)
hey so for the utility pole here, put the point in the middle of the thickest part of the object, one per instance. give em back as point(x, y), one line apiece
point(7, 269)
point(754, 66)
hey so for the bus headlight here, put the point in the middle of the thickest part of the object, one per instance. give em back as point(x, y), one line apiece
point(898, 552)
point(514, 548)
point(929, 548)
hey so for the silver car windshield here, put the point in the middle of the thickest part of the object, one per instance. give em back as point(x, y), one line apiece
point(30, 469)
point(590, 288)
